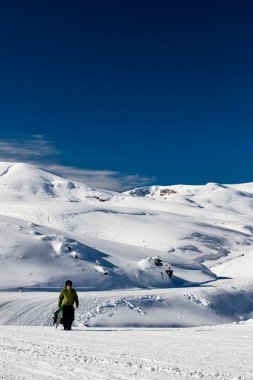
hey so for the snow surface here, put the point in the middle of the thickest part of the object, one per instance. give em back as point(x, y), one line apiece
point(132, 317)
point(221, 352)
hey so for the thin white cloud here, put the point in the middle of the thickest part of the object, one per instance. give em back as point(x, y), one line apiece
point(103, 179)
point(37, 150)
point(33, 148)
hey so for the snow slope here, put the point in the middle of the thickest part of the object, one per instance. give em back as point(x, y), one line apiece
point(114, 235)
point(221, 353)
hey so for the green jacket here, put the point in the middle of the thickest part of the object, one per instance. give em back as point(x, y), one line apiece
point(67, 297)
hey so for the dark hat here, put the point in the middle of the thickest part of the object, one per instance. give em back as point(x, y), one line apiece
point(68, 282)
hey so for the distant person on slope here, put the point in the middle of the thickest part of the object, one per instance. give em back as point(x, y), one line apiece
point(67, 298)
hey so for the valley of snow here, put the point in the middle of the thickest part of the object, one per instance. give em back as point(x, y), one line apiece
point(132, 315)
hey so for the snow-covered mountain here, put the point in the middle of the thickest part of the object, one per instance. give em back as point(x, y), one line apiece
point(19, 181)
point(212, 196)
point(53, 229)
point(125, 244)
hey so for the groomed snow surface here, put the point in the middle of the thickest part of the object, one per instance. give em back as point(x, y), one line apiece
point(220, 352)
point(134, 321)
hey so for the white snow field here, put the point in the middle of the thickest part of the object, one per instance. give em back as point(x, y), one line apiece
point(134, 321)
point(221, 352)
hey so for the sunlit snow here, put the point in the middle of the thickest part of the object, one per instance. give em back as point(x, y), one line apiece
point(53, 229)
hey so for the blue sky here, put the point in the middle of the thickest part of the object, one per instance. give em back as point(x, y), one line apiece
point(121, 94)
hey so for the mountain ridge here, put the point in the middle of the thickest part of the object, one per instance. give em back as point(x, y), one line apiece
point(197, 231)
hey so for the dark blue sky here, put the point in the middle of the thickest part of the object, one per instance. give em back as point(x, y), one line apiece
point(159, 89)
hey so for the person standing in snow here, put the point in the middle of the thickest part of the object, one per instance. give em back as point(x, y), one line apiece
point(67, 298)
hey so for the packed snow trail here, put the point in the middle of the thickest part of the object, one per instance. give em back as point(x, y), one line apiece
point(221, 353)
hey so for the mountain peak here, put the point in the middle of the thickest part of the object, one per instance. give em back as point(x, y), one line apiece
point(22, 181)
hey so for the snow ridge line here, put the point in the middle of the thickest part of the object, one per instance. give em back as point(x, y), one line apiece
point(6, 170)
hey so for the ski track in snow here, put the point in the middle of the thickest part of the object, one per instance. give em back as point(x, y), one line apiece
point(195, 353)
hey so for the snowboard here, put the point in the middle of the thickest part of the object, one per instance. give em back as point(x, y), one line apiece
point(59, 317)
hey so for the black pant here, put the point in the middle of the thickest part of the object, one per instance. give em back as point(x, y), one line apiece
point(68, 317)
